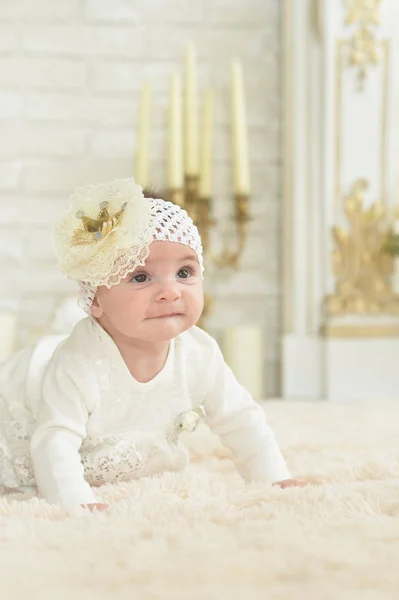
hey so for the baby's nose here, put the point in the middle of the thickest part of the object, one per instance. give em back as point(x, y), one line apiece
point(169, 290)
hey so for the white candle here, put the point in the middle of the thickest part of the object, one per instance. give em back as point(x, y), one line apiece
point(175, 141)
point(239, 132)
point(142, 155)
point(8, 327)
point(206, 147)
point(190, 113)
point(243, 352)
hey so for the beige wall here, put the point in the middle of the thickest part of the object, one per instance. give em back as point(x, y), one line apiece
point(70, 74)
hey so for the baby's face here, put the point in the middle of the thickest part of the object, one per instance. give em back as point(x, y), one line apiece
point(157, 301)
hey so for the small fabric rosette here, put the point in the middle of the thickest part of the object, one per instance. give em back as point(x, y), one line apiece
point(187, 421)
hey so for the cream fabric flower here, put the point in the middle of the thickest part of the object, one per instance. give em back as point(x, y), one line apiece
point(186, 422)
point(189, 420)
point(105, 234)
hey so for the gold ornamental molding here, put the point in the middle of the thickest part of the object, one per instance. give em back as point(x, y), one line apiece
point(360, 331)
point(361, 269)
point(364, 47)
point(362, 50)
point(361, 266)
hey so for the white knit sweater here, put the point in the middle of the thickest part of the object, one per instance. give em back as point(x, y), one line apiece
point(73, 417)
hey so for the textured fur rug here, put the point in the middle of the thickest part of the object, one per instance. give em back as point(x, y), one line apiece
point(202, 534)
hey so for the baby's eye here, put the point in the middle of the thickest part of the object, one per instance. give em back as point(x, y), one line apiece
point(183, 274)
point(140, 278)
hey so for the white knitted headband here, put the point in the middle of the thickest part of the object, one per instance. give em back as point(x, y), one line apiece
point(107, 232)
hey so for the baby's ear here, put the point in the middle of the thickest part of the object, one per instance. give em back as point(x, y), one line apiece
point(96, 308)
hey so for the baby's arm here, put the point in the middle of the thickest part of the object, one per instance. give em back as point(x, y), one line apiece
point(60, 430)
point(241, 424)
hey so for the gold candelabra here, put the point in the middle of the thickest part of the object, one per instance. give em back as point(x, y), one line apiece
point(189, 157)
point(200, 210)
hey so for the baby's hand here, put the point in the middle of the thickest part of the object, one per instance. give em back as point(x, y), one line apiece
point(95, 507)
point(286, 483)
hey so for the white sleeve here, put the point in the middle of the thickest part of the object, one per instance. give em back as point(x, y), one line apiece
point(59, 432)
point(241, 424)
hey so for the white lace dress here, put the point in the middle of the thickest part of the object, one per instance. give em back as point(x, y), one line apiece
point(73, 417)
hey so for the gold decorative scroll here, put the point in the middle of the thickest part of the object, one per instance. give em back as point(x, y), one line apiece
point(364, 47)
point(363, 11)
point(361, 265)
point(343, 49)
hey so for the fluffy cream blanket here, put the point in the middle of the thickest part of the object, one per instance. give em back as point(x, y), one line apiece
point(203, 535)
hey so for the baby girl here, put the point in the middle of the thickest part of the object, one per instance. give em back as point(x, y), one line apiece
point(107, 403)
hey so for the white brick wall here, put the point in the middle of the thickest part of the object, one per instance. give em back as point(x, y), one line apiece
point(70, 75)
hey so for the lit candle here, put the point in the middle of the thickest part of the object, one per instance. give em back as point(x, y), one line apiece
point(8, 323)
point(175, 145)
point(239, 132)
point(190, 113)
point(243, 352)
point(142, 167)
point(206, 147)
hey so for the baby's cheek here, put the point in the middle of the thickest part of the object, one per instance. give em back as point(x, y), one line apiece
point(196, 305)
point(140, 304)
